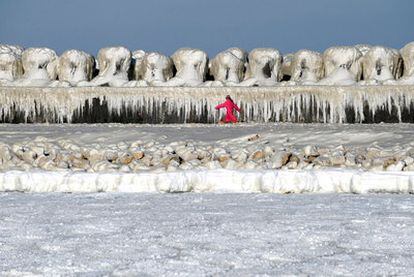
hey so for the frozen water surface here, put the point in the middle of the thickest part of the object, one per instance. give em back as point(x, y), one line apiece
point(206, 234)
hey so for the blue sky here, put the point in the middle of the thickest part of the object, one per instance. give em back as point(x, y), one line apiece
point(214, 25)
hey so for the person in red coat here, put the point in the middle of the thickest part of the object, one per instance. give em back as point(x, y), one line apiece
point(230, 107)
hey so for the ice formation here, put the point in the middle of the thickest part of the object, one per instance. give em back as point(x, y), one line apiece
point(10, 63)
point(363, 48)
point(114, 63)
point(75, 66)
point(191, 65)
point(39, 65)
point(342, 65)
point(137, 64)
point(381, 64)
point(264, 67)
point(223, 181)
point(287, 66)
point(156, 68)
point(228, 66)
point(337, 97)
point(407, 54)
point(306, 67)
point(163, 104)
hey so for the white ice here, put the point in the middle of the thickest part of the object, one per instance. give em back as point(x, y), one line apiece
point(291, 103)
point(206, 234)
point(213, 180)
point(389, 138)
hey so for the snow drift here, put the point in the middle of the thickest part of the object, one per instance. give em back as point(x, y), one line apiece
point(223, 181)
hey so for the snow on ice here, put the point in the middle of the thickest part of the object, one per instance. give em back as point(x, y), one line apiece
point(279, 158)
point(206, 234)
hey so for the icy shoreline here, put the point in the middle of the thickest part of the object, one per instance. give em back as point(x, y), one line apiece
point(216, 181)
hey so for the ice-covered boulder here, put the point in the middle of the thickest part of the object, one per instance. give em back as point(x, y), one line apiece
point(114, 63)
point(363, 48)
point(228, 66)
point(407, 54)
point(156, 68)
point(381, 64)
point(287, 66)
point(10, 63)
point(306, 67)
point(264, 67)
point(191, 66)
point(137, 62)
point(342, 65)
point(75, 66)
point(39, 65)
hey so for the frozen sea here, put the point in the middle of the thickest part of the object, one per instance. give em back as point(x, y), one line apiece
point(206, 234)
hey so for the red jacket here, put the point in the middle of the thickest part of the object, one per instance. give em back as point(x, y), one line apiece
point(230, 107)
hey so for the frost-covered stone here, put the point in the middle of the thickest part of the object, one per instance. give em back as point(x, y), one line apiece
point(125, 158)
point(323, 161)
point(287, 66)
point(191, 65)
point(75, 66)
point(280, 159)
point(186, 166)
point(232, 164)
point(104, 166)
point(251, 165)
point(407, 54)
point(292, 165)
point(264, 67)
point(342, 65)
point(363, 48)
point(10, 63)
point(350, 159)
point(156, 68)
point(306, 67)
point(138, 64)
point(381, 64)
point(114, 63)
point(337, 158)
point(213, 165)
point(39, 65)
point(399, 166)
point(187, 155)
point(310, 150)
point(228, 66)
point(257, 155)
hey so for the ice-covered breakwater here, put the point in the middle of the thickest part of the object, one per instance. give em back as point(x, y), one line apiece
point(334, 104)
point(188, 67)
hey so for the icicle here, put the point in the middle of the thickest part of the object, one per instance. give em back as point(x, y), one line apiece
point(261, 104)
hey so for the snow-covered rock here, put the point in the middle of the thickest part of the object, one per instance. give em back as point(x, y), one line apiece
point(407, 54)
point(39, 65)
point(307, 67)
point(191, 65)
point(342, 65)
point(114, 64)
point(228, 66)
point(138, 64)
point(381, 64)
point(75, 66)
point(264, 67)
point(155, 68)
point(10, 63)
point(286, 70)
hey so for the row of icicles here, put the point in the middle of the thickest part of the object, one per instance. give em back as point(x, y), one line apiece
point(185, 105)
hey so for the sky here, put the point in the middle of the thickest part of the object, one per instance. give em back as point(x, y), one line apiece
point(214, 25)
